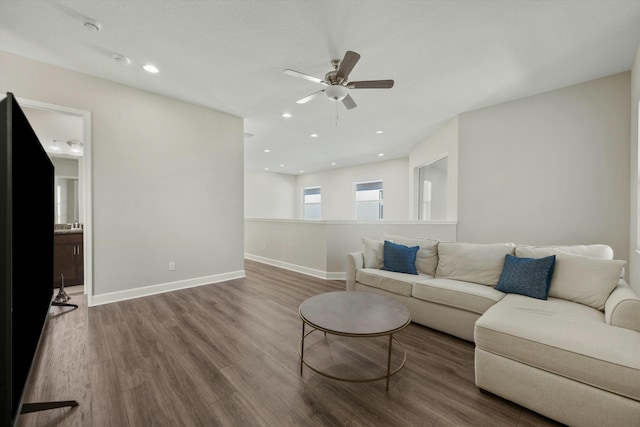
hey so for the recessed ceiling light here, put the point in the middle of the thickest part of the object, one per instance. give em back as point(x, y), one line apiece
point(301, 171)
point(150, 68)
point(314, 135)
point(333, 163)
point(266, 169)
point(287, 115)
point(281, 166)
point(380, 154)
point(379, 131)
point(266, 150)
point(93, 26)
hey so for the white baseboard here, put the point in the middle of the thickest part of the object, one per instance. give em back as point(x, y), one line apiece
point(164, 287)
point(326, 275)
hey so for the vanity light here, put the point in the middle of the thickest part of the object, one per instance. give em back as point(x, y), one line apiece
point(150, 68)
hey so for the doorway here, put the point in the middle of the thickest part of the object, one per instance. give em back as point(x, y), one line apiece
point(65, 134)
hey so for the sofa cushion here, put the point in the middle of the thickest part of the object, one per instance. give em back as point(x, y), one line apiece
point(472, 262)
point(592, 251)
point(564, 338)
point(427, 256)
point(455, 293)
point(373, 251)
point(398, 283)
point(527, 276)
point(399, 258)
point(577, 278)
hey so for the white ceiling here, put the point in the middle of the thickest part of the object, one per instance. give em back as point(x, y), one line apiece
point(446, 57)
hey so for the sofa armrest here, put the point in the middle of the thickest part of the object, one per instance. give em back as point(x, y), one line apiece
point(355, 262)
point(622, 308)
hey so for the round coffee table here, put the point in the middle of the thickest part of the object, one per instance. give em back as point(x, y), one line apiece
point(354, 314)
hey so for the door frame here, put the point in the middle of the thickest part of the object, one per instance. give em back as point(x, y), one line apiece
point(85, 173)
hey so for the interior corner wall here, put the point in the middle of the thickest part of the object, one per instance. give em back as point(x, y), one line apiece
point(167, 178)
point(548, 169)
point(634, 255)
point(338, 189)
point(269, 195)
point(444, 141)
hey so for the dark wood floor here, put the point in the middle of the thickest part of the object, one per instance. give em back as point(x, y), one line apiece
point(226, 355)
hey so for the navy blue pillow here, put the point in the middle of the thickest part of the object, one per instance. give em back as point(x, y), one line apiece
point(527, 276)
point(400, 258)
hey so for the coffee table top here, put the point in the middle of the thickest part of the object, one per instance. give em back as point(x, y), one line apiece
point(354, 313)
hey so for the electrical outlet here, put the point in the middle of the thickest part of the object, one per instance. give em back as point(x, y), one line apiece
point(172, 265)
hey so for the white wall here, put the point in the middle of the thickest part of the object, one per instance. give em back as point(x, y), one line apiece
point(167, 179)
point(444, 141)
point(269, 195)
point(548, 169)
point(338, 189)
point(634, 256)
point(67, 168)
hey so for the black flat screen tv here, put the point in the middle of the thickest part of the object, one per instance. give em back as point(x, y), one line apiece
point(26, 251)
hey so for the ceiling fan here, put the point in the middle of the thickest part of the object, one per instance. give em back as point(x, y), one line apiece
point(337, 83)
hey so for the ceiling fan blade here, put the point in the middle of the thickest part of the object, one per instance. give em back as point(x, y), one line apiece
point(305, 76)
point(371, 84)
point(310, 97)
point(349, 102)
point(346, 65)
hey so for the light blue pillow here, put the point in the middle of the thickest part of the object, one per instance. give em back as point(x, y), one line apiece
point(400, 258)
point(527, 276)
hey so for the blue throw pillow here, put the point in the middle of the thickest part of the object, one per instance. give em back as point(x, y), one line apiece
point(527, 276)
point(399, 258)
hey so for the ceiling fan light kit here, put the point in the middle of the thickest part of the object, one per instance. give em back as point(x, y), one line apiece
point(336, 81)
point(336, 92)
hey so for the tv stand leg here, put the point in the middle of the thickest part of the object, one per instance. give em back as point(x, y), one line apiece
point(45, 406)
point(64, 304)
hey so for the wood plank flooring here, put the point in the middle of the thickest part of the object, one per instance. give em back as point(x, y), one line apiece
point(226, 355)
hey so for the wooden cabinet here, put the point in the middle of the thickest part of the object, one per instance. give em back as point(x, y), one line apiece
point(68, 259)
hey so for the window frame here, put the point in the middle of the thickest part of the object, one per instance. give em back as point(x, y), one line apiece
point(379, 201)
point(305, 203)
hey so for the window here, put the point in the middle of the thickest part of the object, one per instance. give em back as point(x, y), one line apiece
point(369, 200)
point(312, 203)
point(432, 191)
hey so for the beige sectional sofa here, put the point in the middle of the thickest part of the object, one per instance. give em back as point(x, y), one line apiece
point(574, 356)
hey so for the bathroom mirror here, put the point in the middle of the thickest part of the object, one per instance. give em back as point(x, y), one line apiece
point(67, 209)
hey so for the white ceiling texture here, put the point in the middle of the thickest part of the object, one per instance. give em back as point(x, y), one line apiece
point(445, 56)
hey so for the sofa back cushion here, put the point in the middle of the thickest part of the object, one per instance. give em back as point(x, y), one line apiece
point(373, 251)
point(427, 256)
point(585, 280)
point(472, 262)
point(591, 251)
